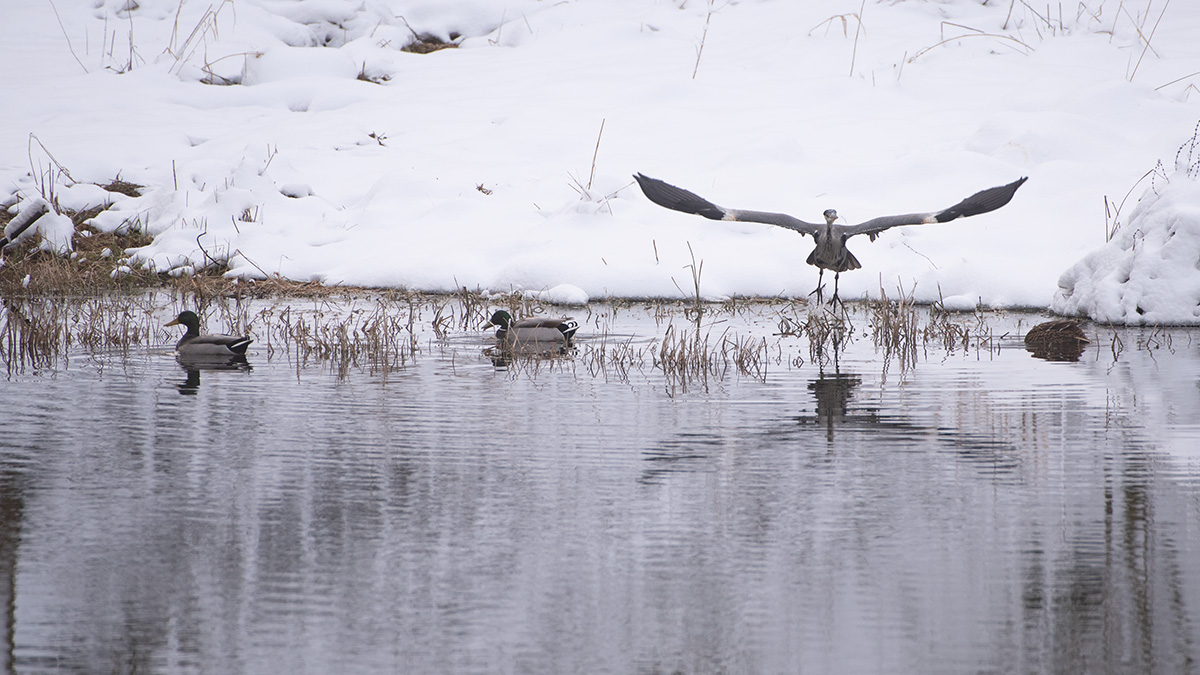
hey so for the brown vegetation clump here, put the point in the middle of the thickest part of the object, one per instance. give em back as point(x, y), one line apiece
point(124, 188)
point(425, 44)
point(92, 267)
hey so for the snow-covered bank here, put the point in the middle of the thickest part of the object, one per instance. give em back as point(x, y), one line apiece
point(1149, 272)
point(337, 157)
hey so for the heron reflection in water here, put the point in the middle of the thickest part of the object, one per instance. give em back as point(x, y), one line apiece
point(833, 393)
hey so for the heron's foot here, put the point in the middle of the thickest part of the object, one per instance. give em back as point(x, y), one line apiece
point(817, 291)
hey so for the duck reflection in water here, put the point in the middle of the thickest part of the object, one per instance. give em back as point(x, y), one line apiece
point(193, 364)
point(504, 355)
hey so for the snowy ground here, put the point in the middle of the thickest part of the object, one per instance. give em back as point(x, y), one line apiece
point(484, 166)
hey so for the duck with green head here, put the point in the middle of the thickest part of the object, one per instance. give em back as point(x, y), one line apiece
point(194, 344)
point(542, 330)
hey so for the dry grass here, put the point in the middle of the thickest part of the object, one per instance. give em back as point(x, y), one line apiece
point(378, 340)
point(827, 327)
point(427, 44)
point(346, 331)
point(896, 328)
point(95, 266)
point(36, 333)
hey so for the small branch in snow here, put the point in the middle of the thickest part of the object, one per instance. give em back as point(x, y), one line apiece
point(596, 154)
point(857, 30)
point(1152, 31)
point(68, 37)
point(703, 37)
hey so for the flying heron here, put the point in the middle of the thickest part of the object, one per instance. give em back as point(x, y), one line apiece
point(830, 252)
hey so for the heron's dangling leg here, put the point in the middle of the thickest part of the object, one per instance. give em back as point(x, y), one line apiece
point(835, 284)
point(820, 284)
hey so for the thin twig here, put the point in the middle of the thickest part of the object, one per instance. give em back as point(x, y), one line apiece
point(1136, 27)
point(703, 37)
point(857, 30)
point(1152, 31)
point(63, 169)
point(962, 37)
point(1180, 79)
point(595, 154)
point(68, 37)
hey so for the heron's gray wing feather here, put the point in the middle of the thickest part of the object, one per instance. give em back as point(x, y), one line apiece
point(877, 225)
point(980, 202)
point(678, 199)
point(779, 219)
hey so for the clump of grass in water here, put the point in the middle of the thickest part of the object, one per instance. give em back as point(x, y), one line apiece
point(896, 328)
point(35, 333)
point(941, 328)
point(749, 355)
point(29, 338)
point(692, 358)
point(828, 329)
point(380, 340)
point(618, 357)
point(685, 359)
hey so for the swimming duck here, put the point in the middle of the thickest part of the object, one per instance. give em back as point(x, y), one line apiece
point(194, 344)
point(1058, 340)
point(533, 329)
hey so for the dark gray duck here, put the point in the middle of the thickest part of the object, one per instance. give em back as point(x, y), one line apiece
point(194, 344)
point(542, 330)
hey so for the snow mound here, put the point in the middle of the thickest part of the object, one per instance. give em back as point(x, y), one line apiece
point(563, 294)
point(1149, 272)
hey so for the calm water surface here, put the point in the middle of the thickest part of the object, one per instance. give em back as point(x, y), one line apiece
point(982, 512)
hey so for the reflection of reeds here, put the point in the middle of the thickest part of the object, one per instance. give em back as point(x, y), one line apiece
point(380, 332)
point(942, 328)
point(36, 332)
point(686, 360)
point(896, 328)
point(29, 339)
point(690, 358)
point(611, 357)
point(379, 340)
point(827, 327)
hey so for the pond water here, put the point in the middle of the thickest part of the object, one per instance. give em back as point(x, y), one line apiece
point(978, 510)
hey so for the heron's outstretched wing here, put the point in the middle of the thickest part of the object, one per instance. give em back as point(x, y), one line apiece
point(980, 202)
point(678, 199)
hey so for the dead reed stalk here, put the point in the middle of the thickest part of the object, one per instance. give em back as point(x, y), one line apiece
point(896, 328)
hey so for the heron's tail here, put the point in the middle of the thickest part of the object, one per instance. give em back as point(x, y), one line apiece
point(841, 260)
